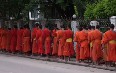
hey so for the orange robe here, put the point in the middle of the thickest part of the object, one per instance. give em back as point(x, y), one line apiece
point(47, 43)
point(68, 47)
point(26, 40)
point(4, 39)
point(109, 39)
point(19, 40)
point(55, 44)
point(0, 38)
point(97, 51)
point(61, 40)
point(39, 38)
point(84, 45)
point(90, 41)
point(76, 39)
point(34, 41)
point(13, 40)
point(8, 40)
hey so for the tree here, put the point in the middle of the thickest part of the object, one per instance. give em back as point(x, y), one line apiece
point(101, 9)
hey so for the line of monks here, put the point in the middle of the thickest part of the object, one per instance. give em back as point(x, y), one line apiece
point(91, 43)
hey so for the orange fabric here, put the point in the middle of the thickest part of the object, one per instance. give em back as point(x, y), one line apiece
point(8, 40)
point(68, 47)
point(0, 38)
point(90, 40)
point(4, 39)
point(97, 51)
point(110, 51)
point(55, 45)
point(61, 40)
point(40, 41)
point(76, 39)
point(26, 40)
point(19, 40)
point(47, 43)
point(13, 40)
point(34, 44)
point(84, 45)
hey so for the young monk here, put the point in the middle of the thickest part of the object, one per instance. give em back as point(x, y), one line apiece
point(4, 39)
point(61, 41)
point(47, 38)
point(8, 40)
point(26, 40)
point(13, 39)
point(84, 45)
point(90, 39)
point(109, 40)
point(40, 42)
point(34, 41)
point(19, 40)
point(97, 50)
point(68, 47)
point(55, 44)
point(76, 39)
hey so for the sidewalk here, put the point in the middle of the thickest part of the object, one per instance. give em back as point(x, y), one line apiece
point(72, 62)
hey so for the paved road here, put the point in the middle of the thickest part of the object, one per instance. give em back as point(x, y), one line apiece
point(13, 64)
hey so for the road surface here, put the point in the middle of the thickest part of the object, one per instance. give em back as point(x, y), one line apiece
point(13, 64)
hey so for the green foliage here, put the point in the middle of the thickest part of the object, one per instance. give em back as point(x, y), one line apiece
point(102, 9)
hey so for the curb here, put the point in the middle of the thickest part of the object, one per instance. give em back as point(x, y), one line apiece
point(54, 60)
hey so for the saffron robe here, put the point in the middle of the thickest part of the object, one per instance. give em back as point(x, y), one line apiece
point(26, 40)
point(47, 38)
point(68, 47)
point(19, 40)
point(97, 50)
point(84, 45)
point(61, 41)
point(55, 44)
point(39, 38)
point(109, 39)
point(34, 41)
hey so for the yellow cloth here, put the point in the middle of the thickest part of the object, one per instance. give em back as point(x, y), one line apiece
point(112, 42)
point(91, 44)
point(69, 40)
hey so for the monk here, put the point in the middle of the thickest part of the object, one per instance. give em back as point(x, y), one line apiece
point(19, 40)
point(84, 45)
point(90, 38)
point(97, 50)
point(76, 39)
point(109, 39)
point(47, 38)
point(61, 41)
point(8, 40)
point(13, 39)
point(0, 37)
point(68, 47)
point(39, 38)
point(34, 41)
point(4, 39)
point(26, 40)
point(55, 44)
